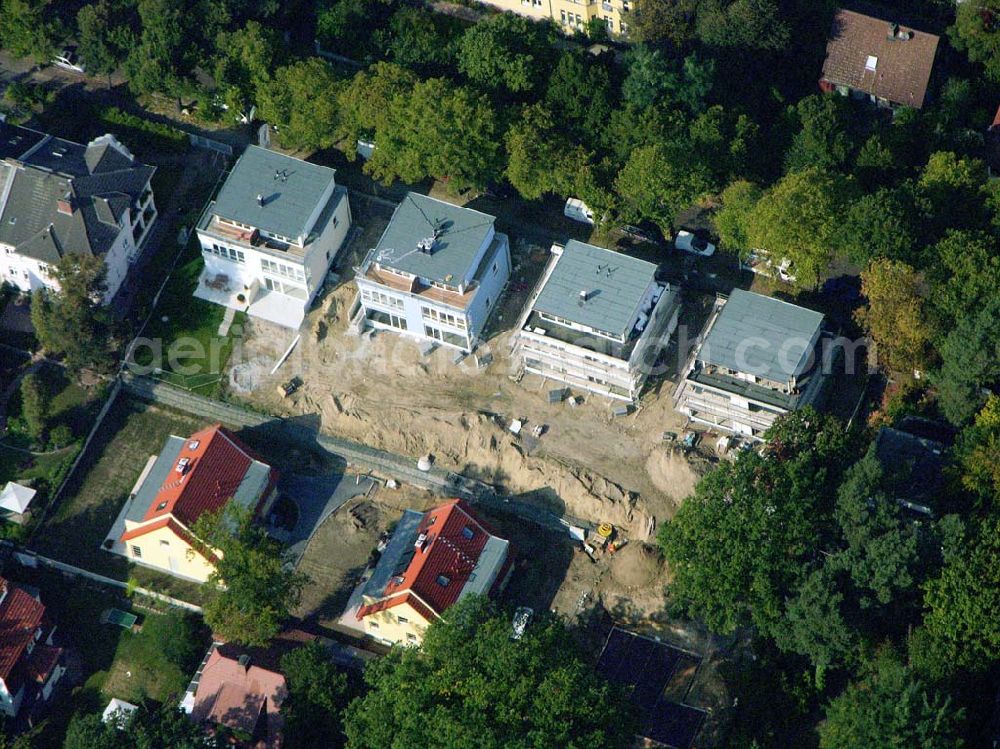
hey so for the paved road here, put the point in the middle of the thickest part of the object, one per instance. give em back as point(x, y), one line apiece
point(316, 498)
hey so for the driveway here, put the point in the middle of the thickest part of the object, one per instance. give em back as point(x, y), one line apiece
point(316, 497)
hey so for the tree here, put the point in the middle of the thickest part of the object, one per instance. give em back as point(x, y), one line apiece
point(437, 130)
point(301, 100)
point(823, 139)
point(655, 186)
point(506, 51)
point(579, 94)
point(978, 453)
point(167, 728)
point(244, 61)
point(738, 200)
point(877, 225)
point(470, 684)
point(650, 76)
point(975, 31)
point(970, 361)
point(338, 22)
point(423, 41)
point(890, 707)
point(317, 695)
point(164, 55)
point(72, 321)
point(950, 191)
point(35, 406)
point(894, 316)
point(796, 219)
point(540, 159)
point(757, 25)
point(98, 51)
point(964, 272)
point(668, 21)
point(364, 104)
point(258, 592)
point(769, 512)
point(27, 28)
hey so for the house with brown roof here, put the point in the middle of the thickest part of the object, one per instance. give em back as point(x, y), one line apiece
point(190, 477)
point(30, 664)
point(432, 560)
point(882, 60)
point(232, 690)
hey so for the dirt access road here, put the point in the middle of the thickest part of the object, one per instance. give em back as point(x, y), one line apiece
point(381, 391)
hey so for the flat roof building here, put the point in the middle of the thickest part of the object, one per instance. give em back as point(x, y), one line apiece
point(436, 273)
point(757, 358)
point(597, 320)
point(271, 235)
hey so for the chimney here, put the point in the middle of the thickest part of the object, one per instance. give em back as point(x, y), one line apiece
point(260, 199)
point(65, 205)
point(584, 295)
point(244, 661)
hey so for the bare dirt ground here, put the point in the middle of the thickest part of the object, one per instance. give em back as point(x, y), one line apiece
point(381, 391)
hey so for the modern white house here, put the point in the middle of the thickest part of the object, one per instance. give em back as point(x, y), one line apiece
point(59, 198)
point(757, 358)
point(597, 320)
point(435, 275)
point(270, 236)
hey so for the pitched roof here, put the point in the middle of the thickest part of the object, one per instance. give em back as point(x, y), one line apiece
point(459, 555)
point(880, 57)
point(42, 661)
point(216, 467)
point(16, 497)
point(20, 616)
point(98, 182)
point(615, 284)
point(291, 190)
point(761, 335)
point(459, 233)
point(235, 694)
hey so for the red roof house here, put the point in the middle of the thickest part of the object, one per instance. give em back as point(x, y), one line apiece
point(431, 561)
point(190, 477)
point(30, 665)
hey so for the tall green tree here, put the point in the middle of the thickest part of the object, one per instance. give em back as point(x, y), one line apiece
point(541, 159)
point(731, 219)
point(35, 405)
point(72, 321)
point(823, 138)
point(978, 453)
point(963, 269)
point(244, 61)
point(579, 94)
point(258, 590)
point(654, 186)
point(365, 103)
point(98, 49)
point(890, 707)
point(27, 28)
point(166, 728)
point(878, 225)
point(317, 695)
point(976, 32)
point(163, 55)
point(470, 684)
point(970, 362)
point(668, 22)
point(301, 99)
point(895, 316)
point(755, 25)
point(797, 219)
point(506, 51)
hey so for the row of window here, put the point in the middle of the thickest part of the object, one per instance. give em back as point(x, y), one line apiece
point(287, 271)
point(377, 297)
point(229, 253)
point(575, 20)
point(410, 637)
point(430, 313)
point(385, 318)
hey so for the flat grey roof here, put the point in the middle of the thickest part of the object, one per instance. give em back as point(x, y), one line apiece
point(156, 478)
point(400, 544)
point(481, 579)
point(460, 234)
point(291, 190)
point(615, 285)
point(762, 336)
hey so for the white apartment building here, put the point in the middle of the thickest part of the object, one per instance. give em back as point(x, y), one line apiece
point(436, 274)
point(58, 198)
point(271, 235)
point(757, 358)
point(597, 320)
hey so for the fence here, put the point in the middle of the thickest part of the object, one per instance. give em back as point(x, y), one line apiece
point(200, 141)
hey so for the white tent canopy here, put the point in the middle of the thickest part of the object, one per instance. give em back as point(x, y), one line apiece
point(118, 711)
point(16, 497)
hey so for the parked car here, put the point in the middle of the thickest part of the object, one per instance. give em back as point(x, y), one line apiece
point(577, 210)
point(67, 59)
point(522, 617)
point(689, 242)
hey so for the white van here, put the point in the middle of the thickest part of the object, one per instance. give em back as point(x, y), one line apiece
point(577, 210)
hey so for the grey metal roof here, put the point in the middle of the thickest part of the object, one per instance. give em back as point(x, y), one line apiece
point(762, 336)
point(615, 286)
point(291, 190)
point(156, 478)
point(460, 234)
point(490, 560)
point(401, 542)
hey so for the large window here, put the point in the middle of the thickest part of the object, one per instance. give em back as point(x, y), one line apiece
point(286, 271)
point(455, 321)
point(377, 297)
point(385, 318)
point(228, 253)
point(445, 336)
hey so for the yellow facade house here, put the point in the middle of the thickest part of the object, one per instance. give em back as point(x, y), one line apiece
point(573, 16)
point(190, 477)
point(432, 560)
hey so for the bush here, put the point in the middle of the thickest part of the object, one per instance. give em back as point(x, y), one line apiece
point(153, 135)
point(60, 436)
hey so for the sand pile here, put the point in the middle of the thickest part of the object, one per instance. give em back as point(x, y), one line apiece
point(636, 566)
point(672, 474)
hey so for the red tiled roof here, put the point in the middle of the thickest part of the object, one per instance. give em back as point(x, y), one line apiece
point(448, 556)
point(217, 464)
point(41, 662)
point(20, 616)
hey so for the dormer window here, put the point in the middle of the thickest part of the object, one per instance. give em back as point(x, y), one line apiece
point(468, 533)
point(182, 465)
point(443, 580)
